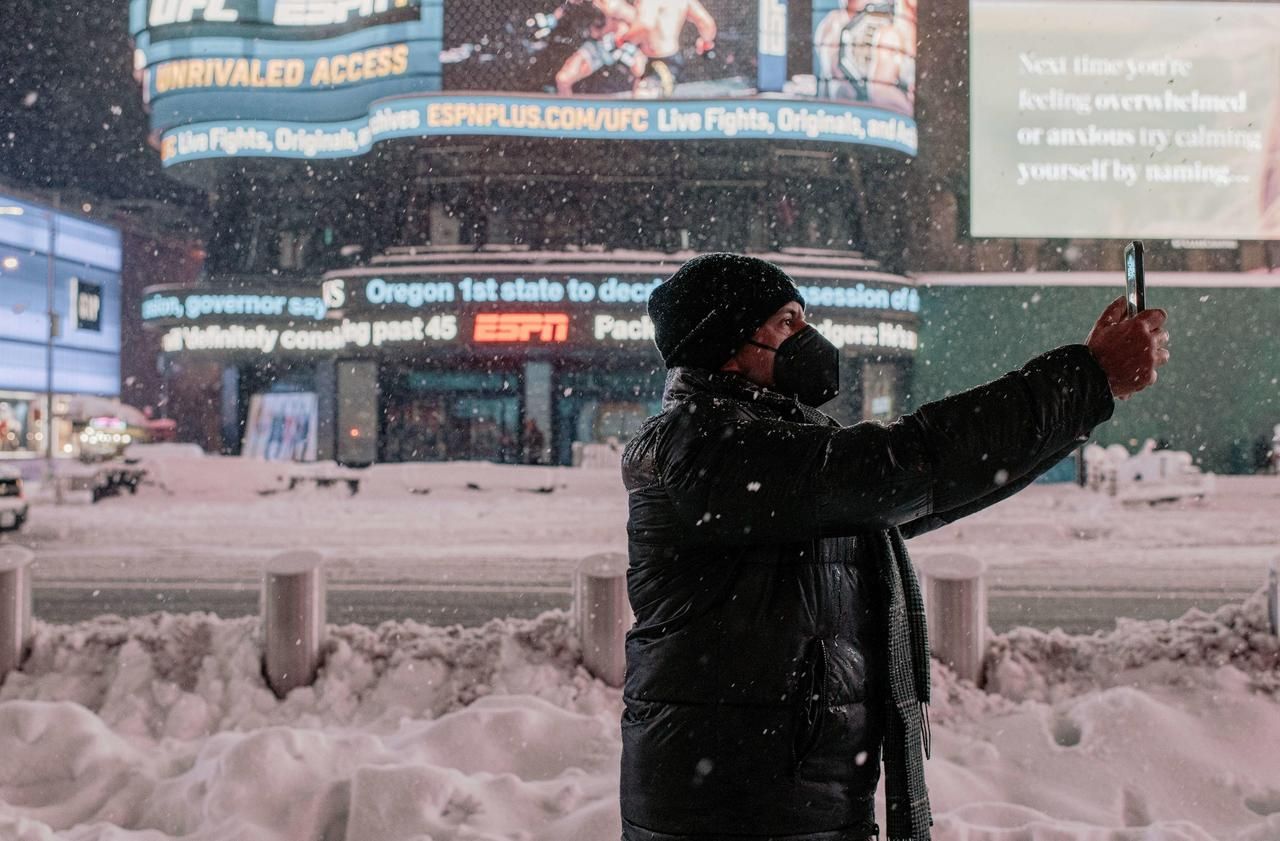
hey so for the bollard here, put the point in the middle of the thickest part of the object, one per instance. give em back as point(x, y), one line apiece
point(15, 606)
point(956, 604)
point(602, 615)
point(293, 619)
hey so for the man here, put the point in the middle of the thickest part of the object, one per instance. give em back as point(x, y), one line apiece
point(779, 655)
point(862, 55)
point(656, 29)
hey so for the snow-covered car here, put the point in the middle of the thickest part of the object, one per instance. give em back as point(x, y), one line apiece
point(13, 502)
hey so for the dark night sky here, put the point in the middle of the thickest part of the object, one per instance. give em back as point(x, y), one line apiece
point(71, 115)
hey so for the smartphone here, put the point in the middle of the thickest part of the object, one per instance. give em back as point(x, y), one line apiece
point(1135, 278)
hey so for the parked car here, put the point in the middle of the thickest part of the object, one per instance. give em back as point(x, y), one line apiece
point(13, 501)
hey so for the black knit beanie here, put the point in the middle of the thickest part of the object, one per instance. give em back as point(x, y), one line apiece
point(713, 303)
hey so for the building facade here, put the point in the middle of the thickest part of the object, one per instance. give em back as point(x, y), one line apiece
point(60, 306)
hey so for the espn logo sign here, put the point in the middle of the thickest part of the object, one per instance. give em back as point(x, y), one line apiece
point(521, 327)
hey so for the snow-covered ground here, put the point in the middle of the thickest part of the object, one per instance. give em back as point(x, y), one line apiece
point(218, 519)
point(1067, 536)
point(161, 728)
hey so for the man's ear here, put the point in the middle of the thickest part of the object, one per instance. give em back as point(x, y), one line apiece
point(734, 365)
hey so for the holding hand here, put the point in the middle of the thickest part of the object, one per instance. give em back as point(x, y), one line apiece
point(1129, 349)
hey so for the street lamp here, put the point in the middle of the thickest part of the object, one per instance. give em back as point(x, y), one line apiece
point(52, 220)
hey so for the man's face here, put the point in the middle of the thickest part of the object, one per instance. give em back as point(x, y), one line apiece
point(756, 363)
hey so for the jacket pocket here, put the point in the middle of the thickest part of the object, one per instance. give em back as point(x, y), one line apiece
point(811, 701)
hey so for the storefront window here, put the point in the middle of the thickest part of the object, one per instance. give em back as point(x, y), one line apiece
point(881, 391)
point(600, 406)
point(15, 431)
point(442, 415)
point(22, 426)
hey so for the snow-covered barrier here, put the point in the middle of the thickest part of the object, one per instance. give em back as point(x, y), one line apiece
point(1030, 664)
point(187, 675)
point(1150, 475)
point(606, 456)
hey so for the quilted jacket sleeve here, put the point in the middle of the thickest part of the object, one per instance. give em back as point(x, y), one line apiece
point(739, 480)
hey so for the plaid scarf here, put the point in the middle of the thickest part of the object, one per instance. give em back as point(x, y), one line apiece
point(907, 735)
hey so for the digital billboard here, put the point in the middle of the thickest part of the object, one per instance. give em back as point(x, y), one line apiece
point(275, 19)
point(329, 78)
point(376, 312)
point(1119, 119)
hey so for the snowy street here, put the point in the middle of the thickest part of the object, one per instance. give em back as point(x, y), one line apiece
point(468, 542)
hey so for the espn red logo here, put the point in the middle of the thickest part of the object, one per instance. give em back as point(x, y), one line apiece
point(521, 327)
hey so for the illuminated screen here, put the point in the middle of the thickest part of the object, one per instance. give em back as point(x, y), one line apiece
point(329, 78)
point(406, 312)
point(1155, 120)
point(282, 427)
point(275, 19)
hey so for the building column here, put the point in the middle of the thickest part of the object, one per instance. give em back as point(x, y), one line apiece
point(326, 386)
point(232, 430)
point(537, 405)
point(357, 412)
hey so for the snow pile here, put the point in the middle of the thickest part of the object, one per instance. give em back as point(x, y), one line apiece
point(1156, 731)
point(162, 725)
point(185, 676)
point(1186, 753)
point(1149, 475)
point(1030, 664)
point(505, 767)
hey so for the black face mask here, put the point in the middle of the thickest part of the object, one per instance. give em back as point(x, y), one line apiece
point(806, 367)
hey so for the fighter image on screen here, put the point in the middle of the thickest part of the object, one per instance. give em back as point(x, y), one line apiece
point(614, 48)
point(656, 30)
point(603, 47)
point(865, 53)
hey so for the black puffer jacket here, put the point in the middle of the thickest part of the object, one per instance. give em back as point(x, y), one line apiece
point(755, 671)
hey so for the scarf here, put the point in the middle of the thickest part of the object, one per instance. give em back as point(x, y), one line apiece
point(907, 737)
